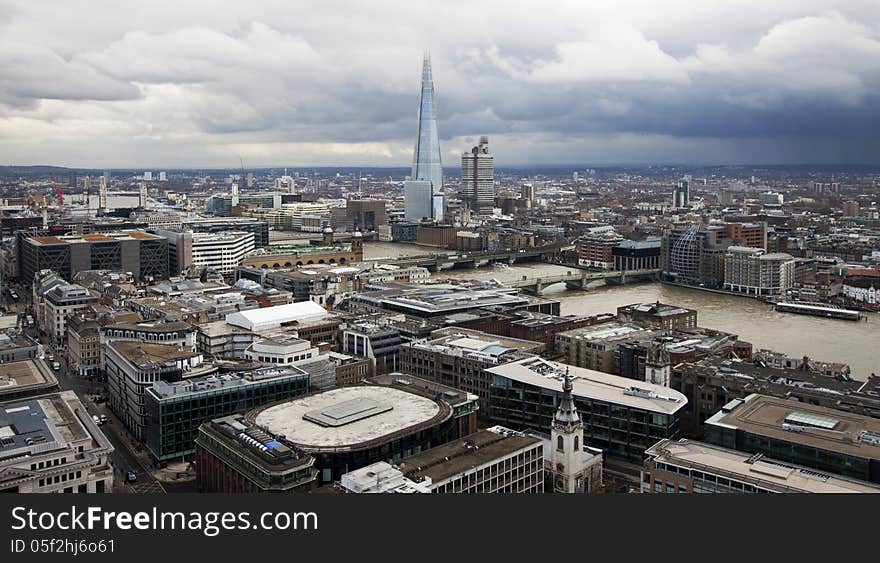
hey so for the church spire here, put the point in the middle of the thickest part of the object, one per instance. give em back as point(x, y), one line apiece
point(566, 414)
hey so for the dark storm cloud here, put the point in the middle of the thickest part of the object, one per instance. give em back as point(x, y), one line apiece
point(173, 83)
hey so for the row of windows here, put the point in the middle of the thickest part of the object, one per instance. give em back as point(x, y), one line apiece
point(63, 478)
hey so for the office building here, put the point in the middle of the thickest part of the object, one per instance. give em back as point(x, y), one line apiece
point(595, 347)
point(478, 178)
point(259, 227)
point(49, 444)
point(661, 315)
point(280, 348)
point(351, 427)
point(133, 367)
point(495, 460)
point(175, 410)
point(59, 304)
point(596, 250)
point(233, 455)
point(25, 378)
point(84, 345)
point(851, 209)
point(426, 155)
point(458, 358)
point(221, 252)
point(417, 200)
point(378, 342)
point(621, 416)
point(636, 255)
point(686, 466)
point(143, 254)
point(755, 272)
point(681, 197)
point(790, 431)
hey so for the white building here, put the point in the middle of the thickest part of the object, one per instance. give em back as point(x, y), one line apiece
point(269, 318)
point(755, 272)
point(59, 304)
point(48, 444)
point(281, 349)
point(222, 252)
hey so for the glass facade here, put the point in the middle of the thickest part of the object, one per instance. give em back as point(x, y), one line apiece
point(426, 156)
point(173, 422)
point(623, 432)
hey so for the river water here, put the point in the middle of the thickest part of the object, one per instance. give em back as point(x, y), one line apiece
point(855, 343)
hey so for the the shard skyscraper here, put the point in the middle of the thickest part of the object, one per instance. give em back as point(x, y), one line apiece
point(427, 172)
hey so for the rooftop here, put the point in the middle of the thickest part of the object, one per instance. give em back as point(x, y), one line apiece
point(590, 384)
point(143, 354)
point(178, 389)
point(475, 450)
point(773, 475)
point(802, 423)
point(45, 423)
point(269, 317)
point(362, 414)
point(97, 237)
point(16, 377)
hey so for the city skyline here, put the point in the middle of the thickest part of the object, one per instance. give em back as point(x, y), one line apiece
point(731, 83)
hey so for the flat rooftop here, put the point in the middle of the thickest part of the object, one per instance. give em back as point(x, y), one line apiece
point(475, 450)
point(773, 475)
point(141, 353)
point(594, 385)
point(16, 377)
point(40, 424)
point(819, 427)
point(400, 411)
point(225, 382)
point(97, 237)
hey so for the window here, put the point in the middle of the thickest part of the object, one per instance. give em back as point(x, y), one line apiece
point(560, 444)
point(576, 443)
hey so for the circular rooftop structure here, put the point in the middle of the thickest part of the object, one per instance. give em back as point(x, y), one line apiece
point(351, 418)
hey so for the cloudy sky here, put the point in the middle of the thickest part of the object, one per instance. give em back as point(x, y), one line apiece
point(193, 83)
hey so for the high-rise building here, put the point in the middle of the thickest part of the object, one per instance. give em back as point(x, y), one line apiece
point(148, 176)
point(102, 193)
point(478, 177)
point(851, 209)
point(426, 156)
point(142, 196)
point(417, 200)
point(71, 178)
point(682, 196)
point(163, 176)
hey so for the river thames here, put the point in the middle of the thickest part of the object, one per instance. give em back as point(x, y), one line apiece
point(851, 342)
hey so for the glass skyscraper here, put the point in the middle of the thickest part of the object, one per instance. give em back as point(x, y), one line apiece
point(426, 156)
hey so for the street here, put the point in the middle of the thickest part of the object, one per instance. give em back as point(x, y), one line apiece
point(122, 458)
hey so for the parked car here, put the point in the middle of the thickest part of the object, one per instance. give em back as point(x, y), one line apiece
point(96, 420)
point(103, 418)
point(131, 476)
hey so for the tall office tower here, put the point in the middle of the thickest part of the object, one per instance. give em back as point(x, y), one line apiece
point(478, 177)
point(426, 156)
point(163, 176)
point(417, 200)
point(71, 179)
point(87, 188)
point(527, 192)
point(148, 176)
point(681, 198)
point(574, 176)
point(107, 177)
point(142, 201)
point(234, 201)
point(102, 194)
point(250, 180)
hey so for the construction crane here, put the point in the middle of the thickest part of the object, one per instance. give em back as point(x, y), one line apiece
point(58, 191)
